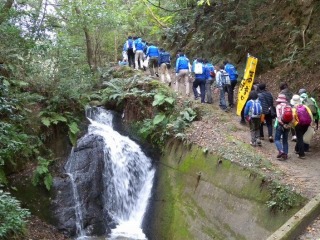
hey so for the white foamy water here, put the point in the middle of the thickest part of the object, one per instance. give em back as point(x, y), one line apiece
point(128, 179)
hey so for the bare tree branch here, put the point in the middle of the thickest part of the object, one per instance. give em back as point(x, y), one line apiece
point(305, 27)
point(154, 17)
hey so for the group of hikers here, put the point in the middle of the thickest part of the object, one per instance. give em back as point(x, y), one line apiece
point(140, 54)
point(293, 113)
point(296, 113)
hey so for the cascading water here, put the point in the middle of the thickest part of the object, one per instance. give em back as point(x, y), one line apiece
point(126, 180)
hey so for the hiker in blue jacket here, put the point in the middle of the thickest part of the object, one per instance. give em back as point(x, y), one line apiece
point(153, 55)
point(210, 74)
point(138, 50)
point(124, 53)
point(199, 71)
point(233, 74)
point(183, 69)
point(164, 66)
point(130, 53)
point(252, 114)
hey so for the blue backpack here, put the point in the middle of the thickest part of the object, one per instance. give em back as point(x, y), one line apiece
point(232, 71)
point(256, 109)
point(164, 57)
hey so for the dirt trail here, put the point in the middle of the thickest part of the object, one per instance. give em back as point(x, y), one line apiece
point(302, 174)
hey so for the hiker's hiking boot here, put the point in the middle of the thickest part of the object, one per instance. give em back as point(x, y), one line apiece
point(253, 144)
point(284, 156)
point(271, 139)
point(280, 154)
point(294, 138)
point(243, 122)
point(259, 143)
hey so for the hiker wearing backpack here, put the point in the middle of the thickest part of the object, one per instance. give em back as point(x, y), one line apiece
point(233, 74)
point(252, 114)
point(221, 83)
point(164, 66)
point(153, 55)
point(130, 52)
point(266, 100)
point(138, 50)
point(282, 126)
point(210, 75)
point(124, 53)
point(183, 69)
point(311, 103)
point(200, 80)
point(302, 119)
point(284, 89)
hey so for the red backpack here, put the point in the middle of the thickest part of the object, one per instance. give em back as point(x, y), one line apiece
point(287, 115)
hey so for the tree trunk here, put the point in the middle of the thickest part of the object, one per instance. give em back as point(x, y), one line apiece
point(115, 48)
point(5, 10)
point(89, 45)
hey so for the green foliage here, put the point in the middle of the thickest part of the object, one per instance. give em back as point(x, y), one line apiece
point(161, 98)
point(15, 144)
point(42, 174)
point(282, 198)
point(168, 119)
point(13, 217)
point(201, 2)
point(120, 89)
point(48, 118)
point(163, 126)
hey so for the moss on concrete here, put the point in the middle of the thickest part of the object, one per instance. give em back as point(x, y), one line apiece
point(204, 196)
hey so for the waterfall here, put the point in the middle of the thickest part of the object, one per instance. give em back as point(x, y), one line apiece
point(127, 178)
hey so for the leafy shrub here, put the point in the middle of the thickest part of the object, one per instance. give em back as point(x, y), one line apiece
point(283, 198)
point(15, 145)
point(12, 216)
point(154, 105)
point(42, 174)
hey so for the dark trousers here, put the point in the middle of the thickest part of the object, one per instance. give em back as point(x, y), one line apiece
point(268, 119)
point(300, 131)
point(230, 89)
point(130, 57)
point(202, 84)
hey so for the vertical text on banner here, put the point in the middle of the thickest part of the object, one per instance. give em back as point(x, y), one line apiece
point(246, 83)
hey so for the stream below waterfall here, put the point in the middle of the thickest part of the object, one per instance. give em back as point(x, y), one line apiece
point(118, 199)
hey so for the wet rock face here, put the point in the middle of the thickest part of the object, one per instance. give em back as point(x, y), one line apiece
point(87, 169)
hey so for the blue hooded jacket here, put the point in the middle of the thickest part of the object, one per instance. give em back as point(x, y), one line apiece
point(139, 45)
point(209, 68)
point(152, 51)
point(182, 63)
point(164, 57)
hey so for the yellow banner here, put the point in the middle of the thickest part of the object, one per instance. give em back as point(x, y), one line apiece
point(246, 83)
